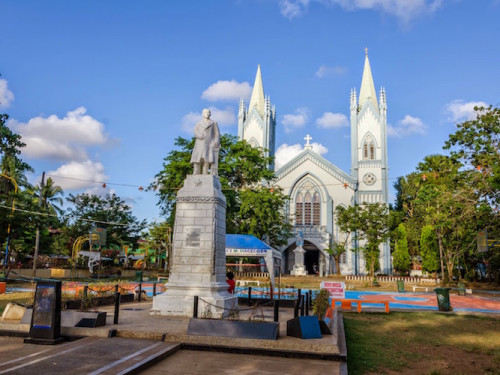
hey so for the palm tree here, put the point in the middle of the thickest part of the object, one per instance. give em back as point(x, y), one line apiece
point(51, 196)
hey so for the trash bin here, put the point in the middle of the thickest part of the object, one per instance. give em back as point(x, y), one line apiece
point(138, 276)
point(401, 286)
point(443, 298)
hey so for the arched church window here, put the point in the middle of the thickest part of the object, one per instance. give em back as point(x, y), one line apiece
point(299, 208)
point(369, 149)
point(315, 208)
point(365, 156)
point(307, 209)
point(372, 151)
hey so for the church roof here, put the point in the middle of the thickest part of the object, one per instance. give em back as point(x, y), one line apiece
point(257, 99)
point(367, 91)
point(317, 159)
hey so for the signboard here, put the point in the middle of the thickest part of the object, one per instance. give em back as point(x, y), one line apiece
point(193, 237)
point(246, 252)
point(336, 289)
point(46, 318)
point(482, 242)
point(102, 233)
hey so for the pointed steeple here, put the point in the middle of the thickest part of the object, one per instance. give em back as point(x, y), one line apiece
point(257, 99)
point(367, 91)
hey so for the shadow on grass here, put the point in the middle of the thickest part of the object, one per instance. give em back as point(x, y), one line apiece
point(399, 340)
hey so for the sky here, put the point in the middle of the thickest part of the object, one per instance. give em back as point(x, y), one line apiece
point(99, 90)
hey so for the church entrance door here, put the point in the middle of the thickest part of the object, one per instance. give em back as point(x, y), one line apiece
point(311, 257)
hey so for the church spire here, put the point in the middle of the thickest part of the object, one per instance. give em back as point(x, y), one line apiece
point(367, 91)
point(257, 99)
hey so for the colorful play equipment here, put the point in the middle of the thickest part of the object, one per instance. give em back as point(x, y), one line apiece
point(94, 256)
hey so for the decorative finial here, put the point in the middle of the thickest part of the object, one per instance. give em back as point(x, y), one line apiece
point(308, 145)
point(366, 51)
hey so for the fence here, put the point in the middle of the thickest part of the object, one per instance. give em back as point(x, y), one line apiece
point(391, 279)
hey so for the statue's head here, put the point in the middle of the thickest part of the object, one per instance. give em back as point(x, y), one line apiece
point(206, 113)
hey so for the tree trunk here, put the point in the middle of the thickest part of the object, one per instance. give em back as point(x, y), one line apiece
point(440, 244)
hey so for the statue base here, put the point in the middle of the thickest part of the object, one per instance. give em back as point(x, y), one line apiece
point(199, 253)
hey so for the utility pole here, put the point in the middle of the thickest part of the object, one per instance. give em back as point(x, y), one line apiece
point(37, 239)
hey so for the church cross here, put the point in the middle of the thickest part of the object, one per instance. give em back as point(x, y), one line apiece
point(366, 50)
point(308, 138)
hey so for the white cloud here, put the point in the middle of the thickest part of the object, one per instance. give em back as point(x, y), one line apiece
point(407, 126)
point(295, 121)
point(405, 10)
point(60, 138)
point(461, 111)
point(79, 175)
point(6, 96)
point(227, 90)
point(331, 120)
point(286, 152)
point(223, 117)
point(328, 71)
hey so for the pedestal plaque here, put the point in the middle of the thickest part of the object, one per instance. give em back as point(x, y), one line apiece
point(199, 258)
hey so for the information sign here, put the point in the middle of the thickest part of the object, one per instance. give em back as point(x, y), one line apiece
point(336, 289)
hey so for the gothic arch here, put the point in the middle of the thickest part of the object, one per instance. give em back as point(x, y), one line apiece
point(368, 147)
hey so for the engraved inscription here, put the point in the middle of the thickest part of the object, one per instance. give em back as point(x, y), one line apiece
point(193, 237)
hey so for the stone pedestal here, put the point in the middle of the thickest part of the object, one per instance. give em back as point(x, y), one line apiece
point(298, 268)
point(199, 253)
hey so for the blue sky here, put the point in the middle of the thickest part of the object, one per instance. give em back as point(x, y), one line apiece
point(100, 89)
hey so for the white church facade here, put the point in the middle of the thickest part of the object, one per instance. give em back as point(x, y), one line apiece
point(316, 187)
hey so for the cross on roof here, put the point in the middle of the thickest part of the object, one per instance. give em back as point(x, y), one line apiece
point(308, 138)
point(366, 50)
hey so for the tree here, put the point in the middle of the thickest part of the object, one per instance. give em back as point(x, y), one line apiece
point(429, 250)
point(246, 183)
point(261, 214)
point(402, 260)
point(109, 212)
point(159, 238)
point(374, 229)
point(345, 218)
point(476, 145)
point(370, 222)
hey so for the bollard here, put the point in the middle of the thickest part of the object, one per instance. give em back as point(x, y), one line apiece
point(195, 307)
point(249, 296)
point(85, 291)
point(310, 299)
point(299, 294)
point(307, 303)
point(276, 310)
point(302, 305)
point(140, 292)
point(154, 289)
point(116, 288)
point(296, 308)
point(117, 307)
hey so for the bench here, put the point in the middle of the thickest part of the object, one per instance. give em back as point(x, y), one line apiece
point(415, 287)
point(346, 304)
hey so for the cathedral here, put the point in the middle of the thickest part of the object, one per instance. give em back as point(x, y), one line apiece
point(315, 186)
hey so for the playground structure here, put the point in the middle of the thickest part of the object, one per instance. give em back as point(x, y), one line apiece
point(94, 256)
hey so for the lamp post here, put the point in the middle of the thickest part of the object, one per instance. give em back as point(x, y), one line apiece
point(6, 261)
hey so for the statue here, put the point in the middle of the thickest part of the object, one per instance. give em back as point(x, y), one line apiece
point(206, 147)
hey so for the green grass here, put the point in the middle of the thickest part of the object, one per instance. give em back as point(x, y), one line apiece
point(378, 342)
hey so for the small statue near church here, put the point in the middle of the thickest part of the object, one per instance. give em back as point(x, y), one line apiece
point(205, 154)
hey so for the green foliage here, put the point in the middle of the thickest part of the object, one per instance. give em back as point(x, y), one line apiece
point(370, 222)
point(261, 214)
point(109, 212)
point(429, 249)
point(252, 206)
point(402, 260)
point(321, 303)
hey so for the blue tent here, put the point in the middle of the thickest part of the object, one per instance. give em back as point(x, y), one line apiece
point(245, 245)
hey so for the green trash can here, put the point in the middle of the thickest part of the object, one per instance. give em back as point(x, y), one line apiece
point(443, 299)
point(401, 286)
point(138, 276)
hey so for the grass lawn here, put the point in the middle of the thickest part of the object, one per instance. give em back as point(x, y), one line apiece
point(422, 343)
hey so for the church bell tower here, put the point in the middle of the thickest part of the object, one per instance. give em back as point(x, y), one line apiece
point(257, 123)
